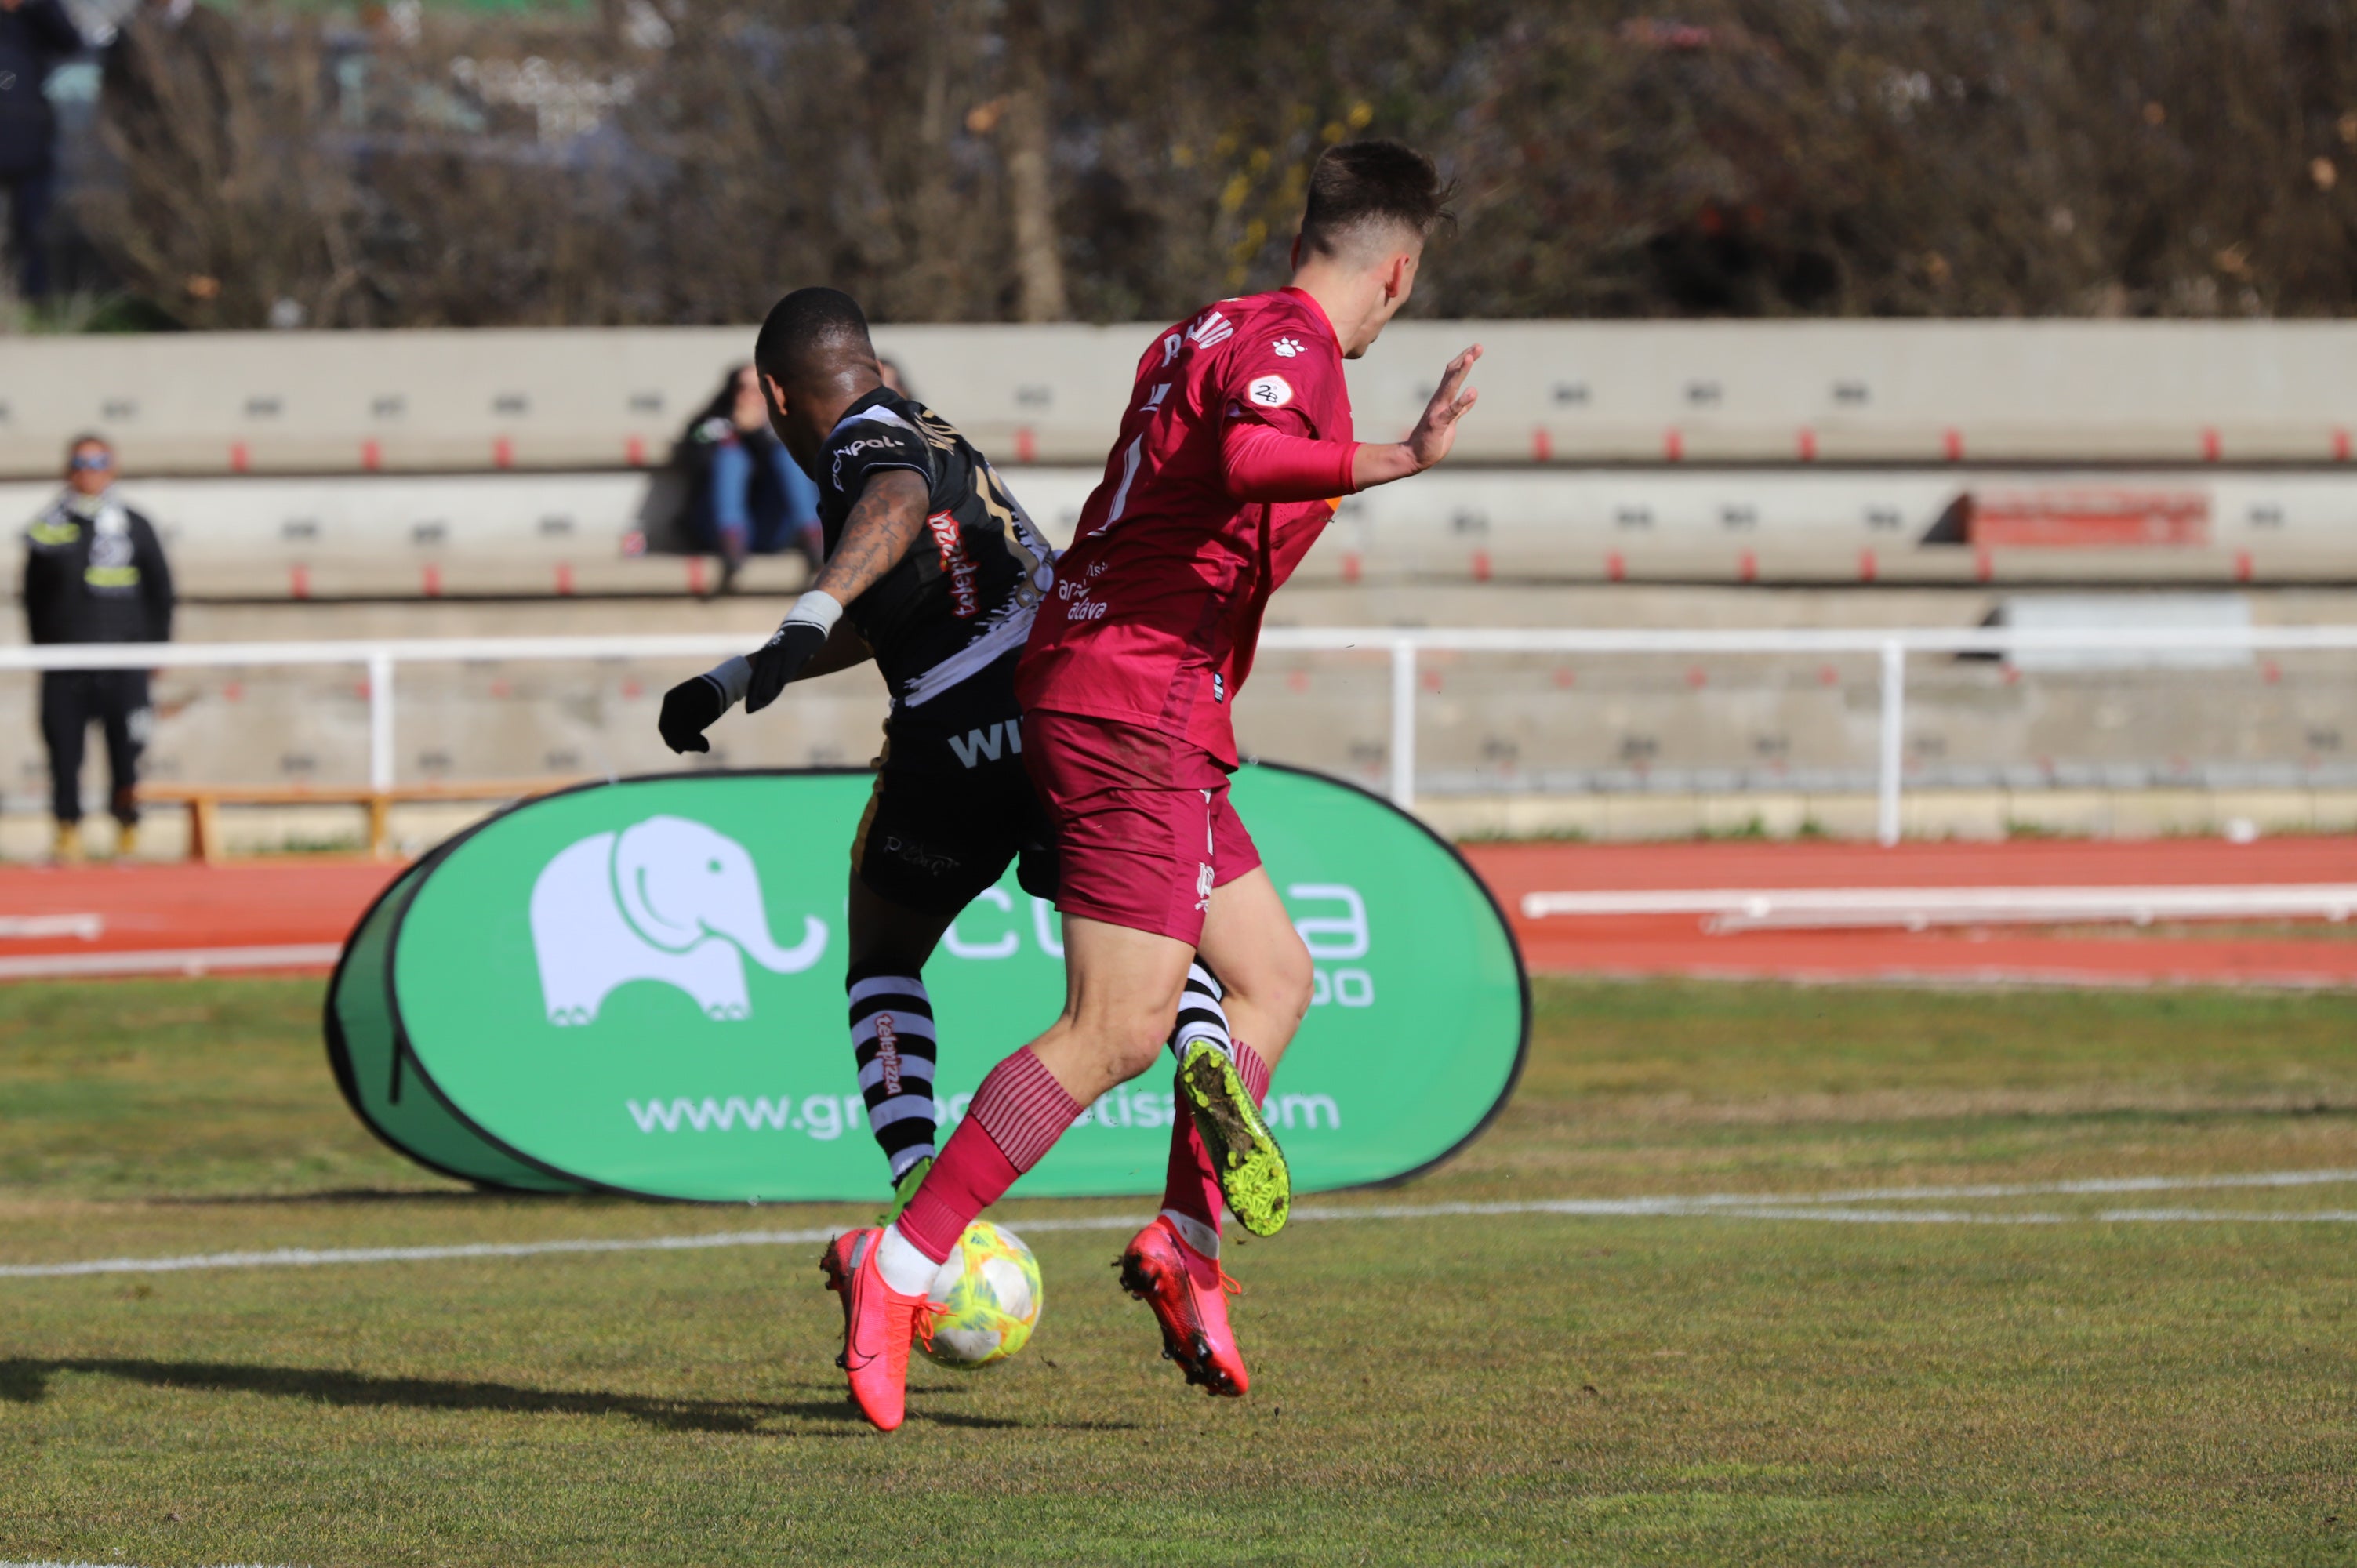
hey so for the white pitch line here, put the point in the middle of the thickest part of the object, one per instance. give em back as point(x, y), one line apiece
point(305, 1257)
point(32, 927)
point(1818, 908)
point(2084, 1187)
point(2226, 1216)
point(1837, 1207)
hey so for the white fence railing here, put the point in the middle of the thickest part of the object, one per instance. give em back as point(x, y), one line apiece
point(1405, 645)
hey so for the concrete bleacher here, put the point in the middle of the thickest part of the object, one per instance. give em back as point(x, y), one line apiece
point(513, 534)
point(525, 463)
point(1560, 392)
point(330, 485)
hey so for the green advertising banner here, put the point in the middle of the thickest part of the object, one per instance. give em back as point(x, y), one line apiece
point(638, 987)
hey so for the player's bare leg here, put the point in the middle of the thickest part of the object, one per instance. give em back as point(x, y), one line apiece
point(1249, 942)
point(1120, 996)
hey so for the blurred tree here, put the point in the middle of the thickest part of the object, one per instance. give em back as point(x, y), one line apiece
point(686, 160)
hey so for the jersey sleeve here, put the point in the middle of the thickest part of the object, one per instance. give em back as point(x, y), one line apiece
point(1278, 375)
point(1261, 464)
point(878, 440)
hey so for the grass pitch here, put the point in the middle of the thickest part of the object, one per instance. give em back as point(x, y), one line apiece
point(1995, 1377)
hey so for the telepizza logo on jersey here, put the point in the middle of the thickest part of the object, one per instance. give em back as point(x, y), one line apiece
point(956, 564)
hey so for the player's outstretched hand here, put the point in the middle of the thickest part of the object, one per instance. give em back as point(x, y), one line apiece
point(688, 710)
point(1435, 433)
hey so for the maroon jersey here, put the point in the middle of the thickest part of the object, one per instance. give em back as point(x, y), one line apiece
point(1156, 607)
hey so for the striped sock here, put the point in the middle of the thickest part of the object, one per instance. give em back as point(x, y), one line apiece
point(892, 1039)
point(1201, 1017)
point(1015, 1119)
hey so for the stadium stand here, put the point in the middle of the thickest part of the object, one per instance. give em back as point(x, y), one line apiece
point(530, 462)
point(1653, 474)
point(559, 533)
point(1750, 393)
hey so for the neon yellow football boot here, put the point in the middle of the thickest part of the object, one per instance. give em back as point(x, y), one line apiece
point(1245, 1156)
point(904, 1189)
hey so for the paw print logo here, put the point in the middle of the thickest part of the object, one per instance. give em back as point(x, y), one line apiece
point(1285, 347)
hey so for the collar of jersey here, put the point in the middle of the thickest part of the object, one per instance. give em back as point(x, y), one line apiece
point(870, 404)
point(1317, 311)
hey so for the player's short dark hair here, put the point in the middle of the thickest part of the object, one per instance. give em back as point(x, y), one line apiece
point(809, 333)
point(1360, 187)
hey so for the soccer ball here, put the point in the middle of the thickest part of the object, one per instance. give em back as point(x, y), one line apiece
point(989, 1293)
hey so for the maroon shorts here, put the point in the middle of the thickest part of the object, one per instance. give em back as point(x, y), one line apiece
point(1145, 827)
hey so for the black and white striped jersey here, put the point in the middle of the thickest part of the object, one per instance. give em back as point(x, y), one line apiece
point(964, 595)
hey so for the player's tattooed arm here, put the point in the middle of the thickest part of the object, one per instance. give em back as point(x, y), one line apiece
point(885, 522)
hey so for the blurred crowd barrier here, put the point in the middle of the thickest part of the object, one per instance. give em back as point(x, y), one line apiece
point(1685, 720)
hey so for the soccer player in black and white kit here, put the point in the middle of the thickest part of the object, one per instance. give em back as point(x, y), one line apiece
point(933, 570)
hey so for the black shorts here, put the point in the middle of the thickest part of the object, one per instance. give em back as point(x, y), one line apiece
point(953, 804)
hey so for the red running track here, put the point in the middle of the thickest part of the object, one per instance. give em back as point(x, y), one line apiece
point(1677, 944)
point(294, 913)
point(181, 918)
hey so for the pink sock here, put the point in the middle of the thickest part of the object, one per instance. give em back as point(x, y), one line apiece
point(1190, 1193)
point(1015, 1119)
point(1253, 1072)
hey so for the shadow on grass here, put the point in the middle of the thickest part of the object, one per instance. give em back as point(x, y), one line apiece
point(27, 1381)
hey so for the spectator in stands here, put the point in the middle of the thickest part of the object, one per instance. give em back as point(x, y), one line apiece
point(746, 496)
point(94, 571)
point(35, 35)
point(895, 378)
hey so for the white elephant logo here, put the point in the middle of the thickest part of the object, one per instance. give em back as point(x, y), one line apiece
point(666, 899)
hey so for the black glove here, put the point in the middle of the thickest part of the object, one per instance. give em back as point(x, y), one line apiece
point(782, 659)
point(689, 709)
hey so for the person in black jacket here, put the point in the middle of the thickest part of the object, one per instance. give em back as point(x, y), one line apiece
point(94, 571)
point(35, 35)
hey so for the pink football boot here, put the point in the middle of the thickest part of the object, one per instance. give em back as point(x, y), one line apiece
point(878, 1325)
point(1188, 1294)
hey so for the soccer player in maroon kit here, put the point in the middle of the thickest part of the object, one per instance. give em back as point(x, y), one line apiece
point(1232, 453)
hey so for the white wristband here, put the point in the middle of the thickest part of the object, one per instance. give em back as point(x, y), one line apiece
point(732, 678)
point(815, 608)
